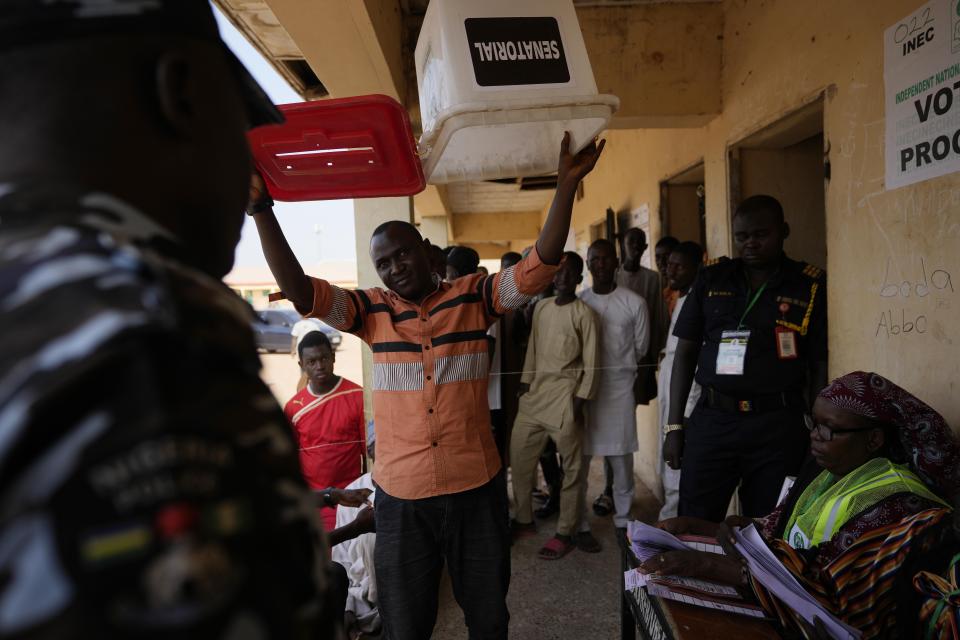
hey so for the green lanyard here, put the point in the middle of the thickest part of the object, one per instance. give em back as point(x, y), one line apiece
point(750, 306)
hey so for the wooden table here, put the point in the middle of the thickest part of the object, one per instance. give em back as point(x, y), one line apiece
point(661, 619)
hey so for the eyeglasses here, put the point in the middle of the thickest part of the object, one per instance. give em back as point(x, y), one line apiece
point(826, 433)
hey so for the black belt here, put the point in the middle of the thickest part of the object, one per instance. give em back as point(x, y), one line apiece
point(757, 404)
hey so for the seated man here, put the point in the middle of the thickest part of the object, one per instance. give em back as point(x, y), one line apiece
point(559, 376)
point(356, 556)
point(844, 532)
point(327, 418)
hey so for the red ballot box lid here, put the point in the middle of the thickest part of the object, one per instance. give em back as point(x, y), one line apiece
point(360, 147)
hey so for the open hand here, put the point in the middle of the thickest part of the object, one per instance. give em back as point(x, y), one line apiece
point(573, 168)
point(675, 563)
point(365, 522)
point(351, 497)
point(686, 525)
point(695, 564)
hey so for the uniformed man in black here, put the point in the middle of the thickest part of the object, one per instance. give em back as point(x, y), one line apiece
point(754, 330)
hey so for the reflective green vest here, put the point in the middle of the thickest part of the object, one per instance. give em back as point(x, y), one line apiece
point(829, 503)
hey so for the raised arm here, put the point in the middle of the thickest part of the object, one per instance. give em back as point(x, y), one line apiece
point(294, 283)
point(513, 287)
point(571, 169)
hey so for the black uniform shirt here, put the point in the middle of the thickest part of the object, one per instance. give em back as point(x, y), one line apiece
point(149, 483)
point(716, 303)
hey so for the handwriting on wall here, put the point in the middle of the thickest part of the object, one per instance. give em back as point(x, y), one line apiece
point(923, 281)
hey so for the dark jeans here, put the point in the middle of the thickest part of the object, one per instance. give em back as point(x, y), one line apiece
point(470, 532)
point(723, 448)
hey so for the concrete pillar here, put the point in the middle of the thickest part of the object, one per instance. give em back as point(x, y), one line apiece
point(434, 228)
point(368, 214)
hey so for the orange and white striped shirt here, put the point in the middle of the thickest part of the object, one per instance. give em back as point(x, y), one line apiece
point(430, 374)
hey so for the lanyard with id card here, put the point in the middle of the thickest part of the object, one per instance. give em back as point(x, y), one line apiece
point(786, 338)
point(732, 352)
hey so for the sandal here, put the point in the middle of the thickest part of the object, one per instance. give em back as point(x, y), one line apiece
point(556, 547)
point(586, 542)
point(519, 530)
point(603, 505)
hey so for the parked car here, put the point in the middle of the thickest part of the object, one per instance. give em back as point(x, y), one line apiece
point(274, 329)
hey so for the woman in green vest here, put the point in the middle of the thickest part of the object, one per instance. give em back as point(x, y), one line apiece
point(887, 470)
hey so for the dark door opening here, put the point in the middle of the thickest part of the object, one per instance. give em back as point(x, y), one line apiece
point(786, 161)
point(683, 212)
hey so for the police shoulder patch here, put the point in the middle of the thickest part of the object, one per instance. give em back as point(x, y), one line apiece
point(715, 261)
point(813, 272)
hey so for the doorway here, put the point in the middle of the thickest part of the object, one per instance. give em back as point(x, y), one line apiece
point(683, 212)
point(786, 160)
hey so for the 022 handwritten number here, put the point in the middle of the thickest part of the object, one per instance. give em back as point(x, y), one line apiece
point(912, 26)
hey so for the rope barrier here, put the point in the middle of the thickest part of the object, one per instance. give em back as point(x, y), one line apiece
point(502, 373)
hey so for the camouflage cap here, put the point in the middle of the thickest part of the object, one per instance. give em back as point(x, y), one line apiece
point(33, 22)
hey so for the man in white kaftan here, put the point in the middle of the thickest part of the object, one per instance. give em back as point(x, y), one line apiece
point(611, 422)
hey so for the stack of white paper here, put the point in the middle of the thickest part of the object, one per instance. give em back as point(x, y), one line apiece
point(647, 541)
point(770, 572)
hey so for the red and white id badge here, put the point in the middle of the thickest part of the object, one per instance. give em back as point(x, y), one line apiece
point(786, 343)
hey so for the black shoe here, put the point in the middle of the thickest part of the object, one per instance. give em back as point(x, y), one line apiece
point(539, 496)
point(603, 505)
point(550, 507)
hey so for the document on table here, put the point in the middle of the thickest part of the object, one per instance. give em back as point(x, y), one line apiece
point(647, 541)
point(731, 605)
point(700, 593)
point(770, 572)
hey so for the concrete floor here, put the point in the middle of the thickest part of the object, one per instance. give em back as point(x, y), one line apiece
point(575, 598)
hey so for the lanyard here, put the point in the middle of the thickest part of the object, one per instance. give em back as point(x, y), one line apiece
point(753, 302)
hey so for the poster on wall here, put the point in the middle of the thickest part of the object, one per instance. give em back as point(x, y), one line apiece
point(921, 74)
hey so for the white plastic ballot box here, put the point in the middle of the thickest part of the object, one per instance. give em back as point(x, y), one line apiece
point(500, 81)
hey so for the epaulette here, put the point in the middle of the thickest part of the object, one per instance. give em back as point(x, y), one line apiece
point(813, 272)
point(715, 261)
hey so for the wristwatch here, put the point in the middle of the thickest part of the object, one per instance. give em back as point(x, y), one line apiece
point(260, 205)
point(669, 428)
point(327, 495)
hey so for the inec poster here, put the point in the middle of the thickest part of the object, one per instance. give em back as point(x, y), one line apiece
point(922, 92)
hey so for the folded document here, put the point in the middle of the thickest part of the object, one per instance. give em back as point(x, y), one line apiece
point(770, 572)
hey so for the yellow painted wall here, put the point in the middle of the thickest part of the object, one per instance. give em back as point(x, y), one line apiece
point(662, 60)
point(884, 248)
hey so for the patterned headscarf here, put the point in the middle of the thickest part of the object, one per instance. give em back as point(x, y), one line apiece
point(932, 450)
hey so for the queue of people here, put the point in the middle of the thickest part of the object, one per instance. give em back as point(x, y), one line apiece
point(150, 485)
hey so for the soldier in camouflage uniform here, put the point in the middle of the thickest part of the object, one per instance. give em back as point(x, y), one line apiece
point(149, 483)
